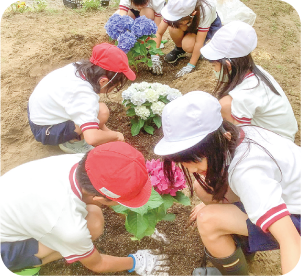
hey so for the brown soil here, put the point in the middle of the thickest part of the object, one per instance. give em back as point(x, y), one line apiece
point(34, 44)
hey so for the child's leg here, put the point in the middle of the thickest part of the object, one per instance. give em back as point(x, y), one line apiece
point(148, 12)
point(176, 35)
point(216, 223)
point(188, 42)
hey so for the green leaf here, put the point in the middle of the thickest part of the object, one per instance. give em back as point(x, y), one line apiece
point(130, 112)
point(164, 100)
point(149, 231)
point(136, 224)
point(143, 50)
point(164, 41)
point(149, 129)
point(141, 123)
point(136, 47)
point(141, 210)
point(168, 201)
point(151, 43)
point(155, 200)
point(149, 63)
point(136, 126)
point(181, 198)
point(169, 217)
point(157, 120)
point(120, 209)
point(134, 239)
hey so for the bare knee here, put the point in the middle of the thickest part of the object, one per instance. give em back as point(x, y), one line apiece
point(103, 114)
point(95, 221)
point(208, 221)
point(188, 43)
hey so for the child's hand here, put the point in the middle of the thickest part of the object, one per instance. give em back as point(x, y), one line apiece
point(119, 136)
point(194, 214)
point(185, 70)
point(147, 263)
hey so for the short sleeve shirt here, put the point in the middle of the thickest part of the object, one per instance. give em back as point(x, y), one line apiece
point(156, 5)
point(269, 189)
point(253, 102)
point(46, 206)
point(208, 17)
point(61, 96)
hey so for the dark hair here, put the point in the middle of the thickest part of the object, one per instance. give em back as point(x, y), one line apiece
point(139, 3)
point(219, 152)
point(199, 8)
point(239, 68)
point(92, 73)
point(83, 179)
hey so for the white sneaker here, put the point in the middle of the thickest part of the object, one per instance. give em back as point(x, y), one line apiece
point(76, 147)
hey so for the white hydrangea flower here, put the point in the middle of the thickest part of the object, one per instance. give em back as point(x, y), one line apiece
point(135, 86)
point(127, 94)
point(138, 98)
point(156, 85)
point(144, 85)
point(157, 108)
point(162, 90)
point(173, 94)
point(142, 111)
point(151, 95)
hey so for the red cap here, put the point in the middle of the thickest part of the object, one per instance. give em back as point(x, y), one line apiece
point(118, 171)
point(110, 57)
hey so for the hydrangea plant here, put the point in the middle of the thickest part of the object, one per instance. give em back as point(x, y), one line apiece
point(145, 103)
point(133, 37)
point(142, 221)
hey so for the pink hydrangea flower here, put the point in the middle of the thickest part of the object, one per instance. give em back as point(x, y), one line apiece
point(158, 180)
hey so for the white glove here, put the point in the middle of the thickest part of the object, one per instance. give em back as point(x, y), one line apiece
point(157, 65)
point(185, 70)
point(146, 263)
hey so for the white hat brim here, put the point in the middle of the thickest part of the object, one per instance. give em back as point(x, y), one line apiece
point(168, 147)
point(211, 54)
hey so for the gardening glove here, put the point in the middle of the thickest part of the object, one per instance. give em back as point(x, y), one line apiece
point(146, 263)
point(185, 70)
point(157, 65)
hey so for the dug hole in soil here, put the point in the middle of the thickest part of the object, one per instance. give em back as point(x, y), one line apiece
point(34, 44)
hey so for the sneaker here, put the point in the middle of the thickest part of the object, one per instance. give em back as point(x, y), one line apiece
point(29, 271)
point(174, 55)
point(76, 147)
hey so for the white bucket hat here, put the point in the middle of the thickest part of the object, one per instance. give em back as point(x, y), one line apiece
point(187, 120)
point(234, 40)
point(176, 9)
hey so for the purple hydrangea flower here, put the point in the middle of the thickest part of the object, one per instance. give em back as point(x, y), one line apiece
point(126, 41)
point(118, 25)
point(143, 26)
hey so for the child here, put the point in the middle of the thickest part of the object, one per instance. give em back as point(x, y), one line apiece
point(235, 168)
point(247, 93)
point(191, 23)
point(54, 212)
point(64, 108)
point(135, 8)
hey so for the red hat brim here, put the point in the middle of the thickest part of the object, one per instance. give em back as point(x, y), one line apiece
point(140, 199)
point(130, 74)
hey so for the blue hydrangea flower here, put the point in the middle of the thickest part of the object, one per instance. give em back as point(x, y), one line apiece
point(143, 26)
point(126, 41)
point(118, 25)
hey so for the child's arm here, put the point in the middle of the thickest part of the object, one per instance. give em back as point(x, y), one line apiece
point(105, 263)
point(121, 12)
point(160, 32)
point(97, 137)
point(288, 238)
point(199, 43)
point(225, 103)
